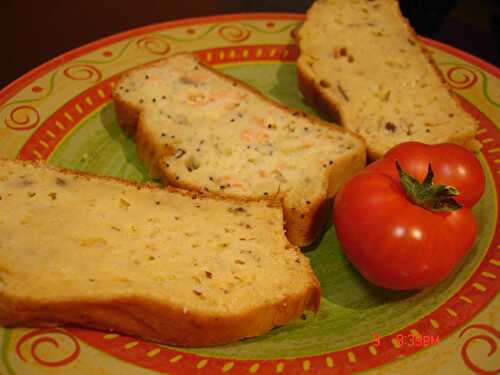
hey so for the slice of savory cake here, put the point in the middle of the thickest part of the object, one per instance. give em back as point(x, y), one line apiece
point(200, 130)
point(166, 265)
point(361, 62)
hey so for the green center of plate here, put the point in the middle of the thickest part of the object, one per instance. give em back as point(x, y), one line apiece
point(352, 310)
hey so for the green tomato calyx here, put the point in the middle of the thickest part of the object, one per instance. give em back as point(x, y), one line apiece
point(426, 194)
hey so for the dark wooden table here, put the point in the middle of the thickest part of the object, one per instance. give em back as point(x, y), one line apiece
point(32, 31)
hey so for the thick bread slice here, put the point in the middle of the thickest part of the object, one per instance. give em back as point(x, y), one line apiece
point(161, 264)
point(204, 131)
point(361, 62)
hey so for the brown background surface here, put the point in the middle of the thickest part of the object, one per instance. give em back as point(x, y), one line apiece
point(32, 31)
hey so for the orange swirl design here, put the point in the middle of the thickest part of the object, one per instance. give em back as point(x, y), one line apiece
point(83, 72)
point(461, 78)
point(42, 337)
point(233, 33)
point(23, 117)
point(154, 45)
point(488, 339)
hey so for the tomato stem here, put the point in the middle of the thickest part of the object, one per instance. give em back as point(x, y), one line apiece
point(426, 194)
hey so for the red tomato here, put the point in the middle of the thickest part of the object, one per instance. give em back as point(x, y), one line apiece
point(394, 242)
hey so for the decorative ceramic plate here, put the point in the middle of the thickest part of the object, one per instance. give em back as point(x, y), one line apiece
point(62, 113)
